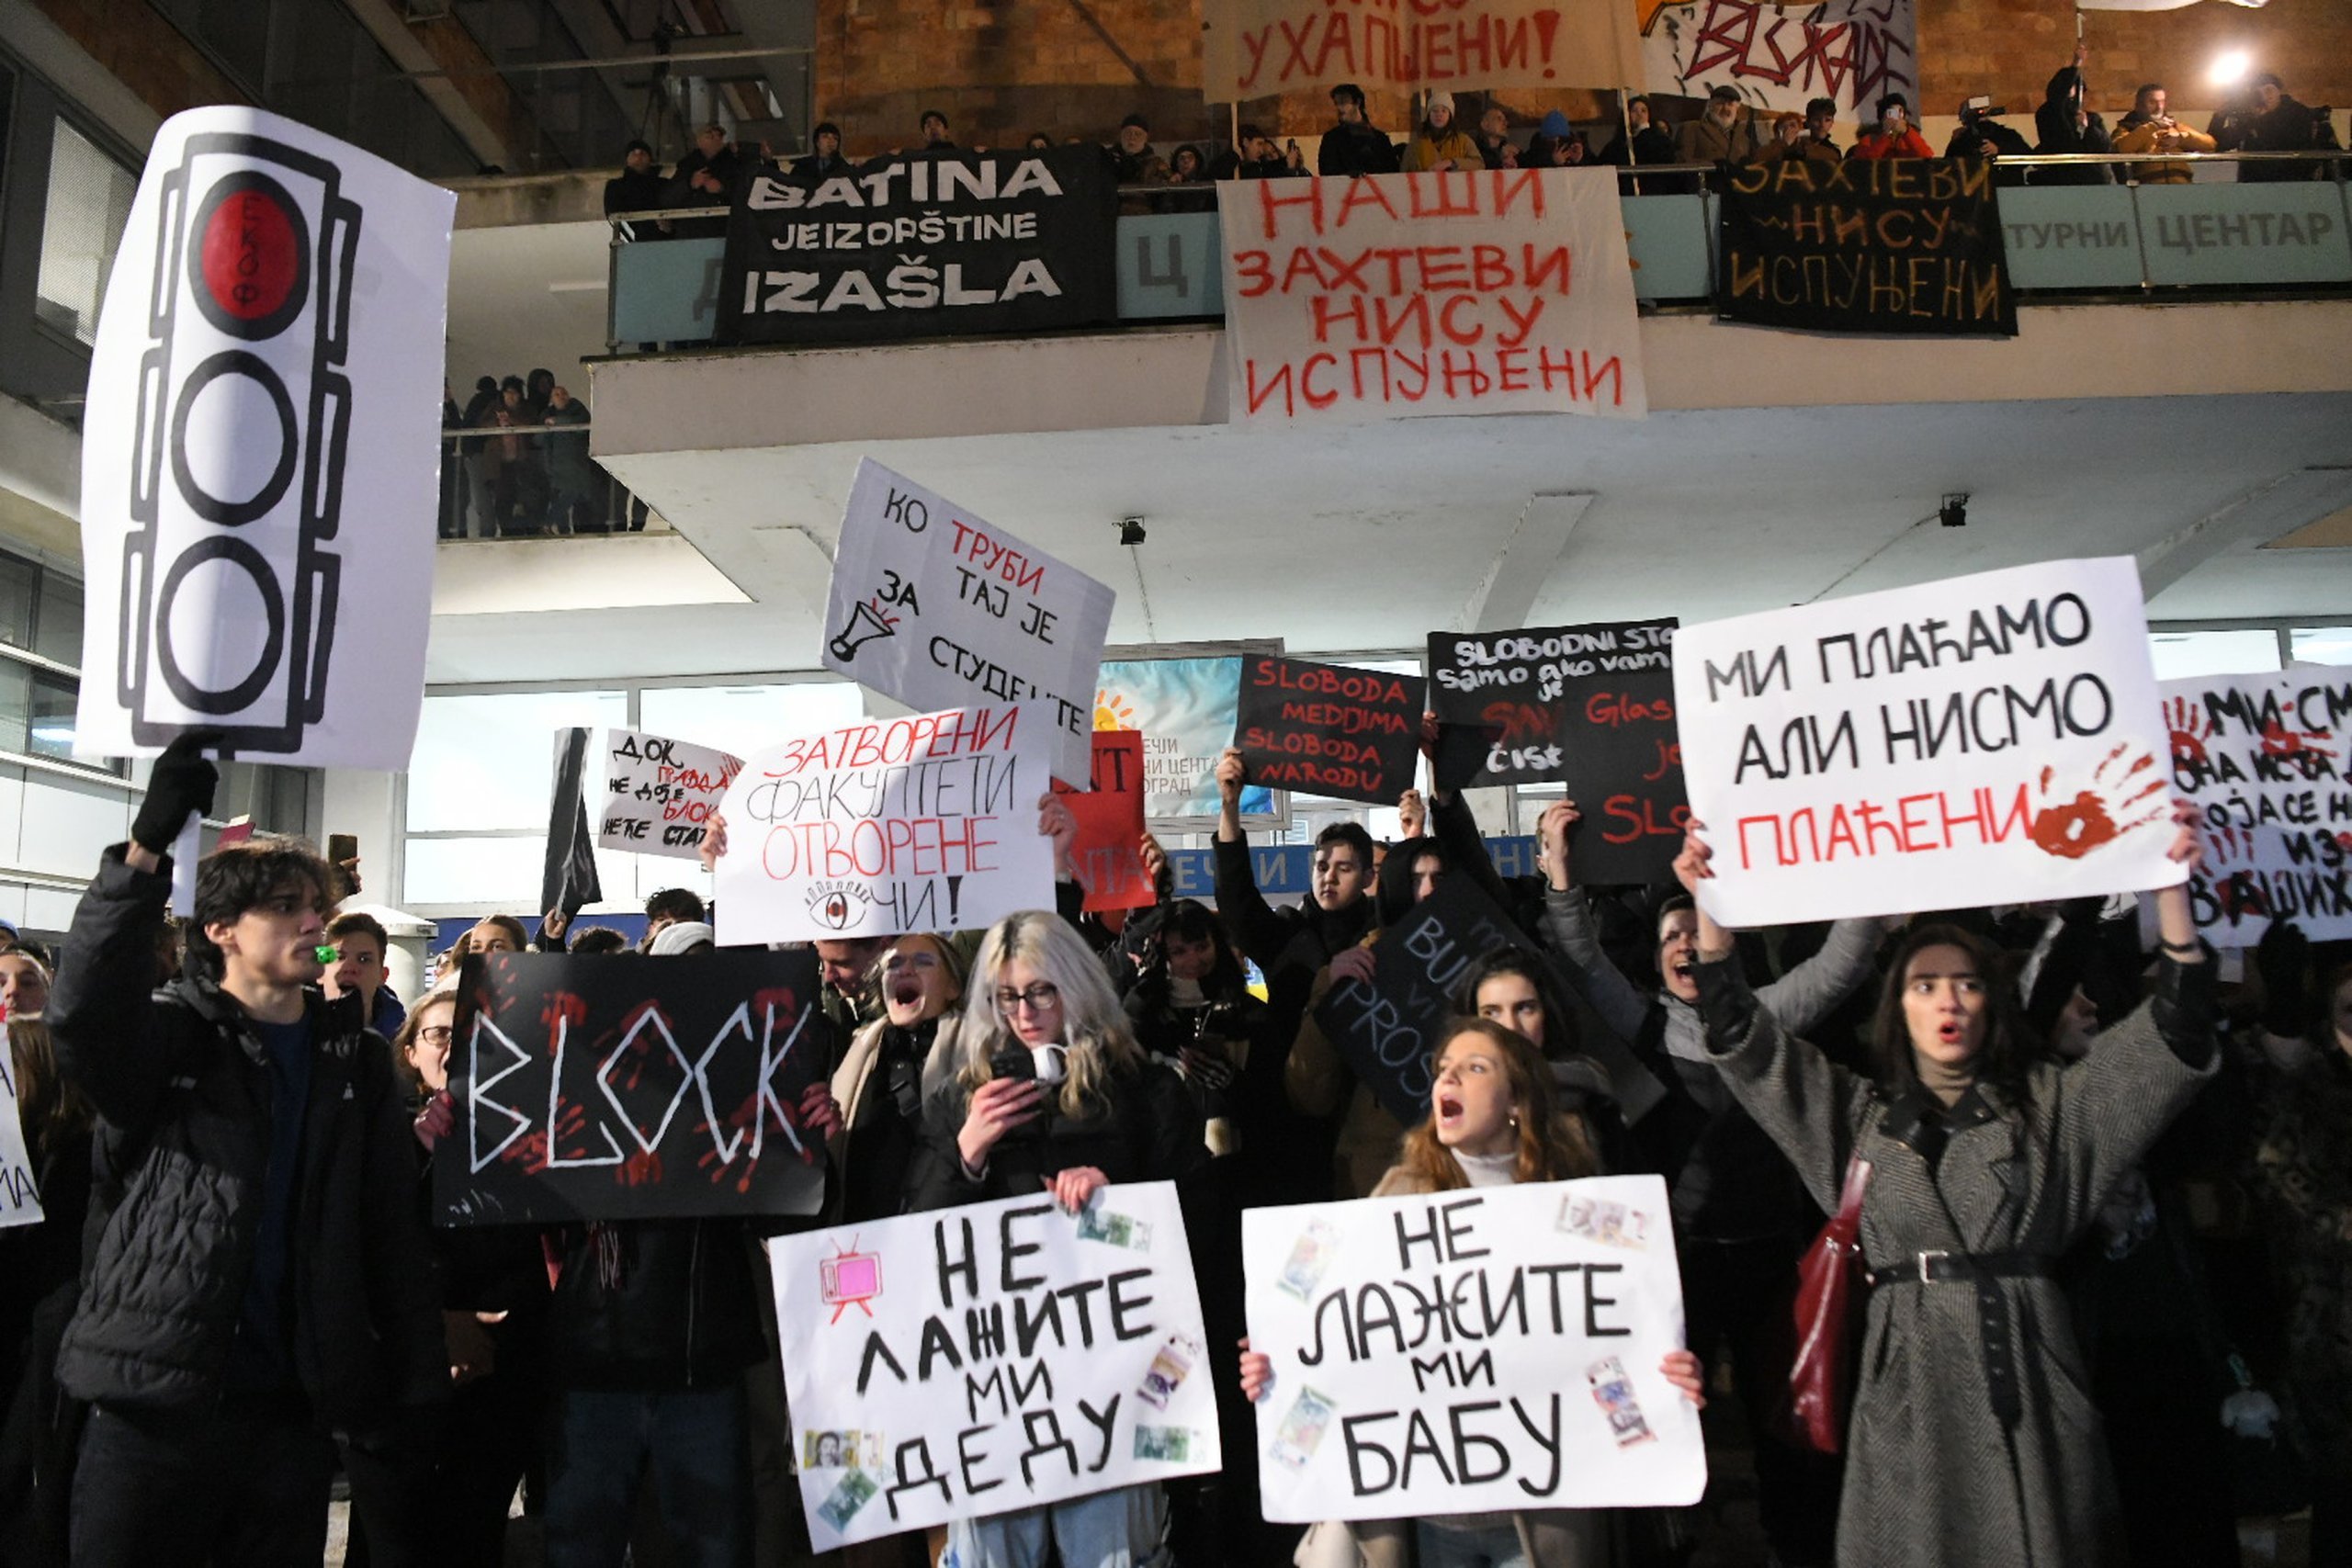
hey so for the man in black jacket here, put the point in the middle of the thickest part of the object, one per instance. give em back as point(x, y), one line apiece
point(1354, 146)
point(258, 1278)
point(1289, 1154)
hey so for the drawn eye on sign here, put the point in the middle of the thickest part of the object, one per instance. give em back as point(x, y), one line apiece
point(229, 589)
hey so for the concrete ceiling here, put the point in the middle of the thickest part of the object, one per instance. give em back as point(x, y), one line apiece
point(1371, 537)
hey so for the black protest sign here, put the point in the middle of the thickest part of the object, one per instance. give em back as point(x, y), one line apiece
point(923, 247)
point(1872, 246)
point(1329, 728)
point(1388, 1030)
point(1590, 707)
point(620, 1089)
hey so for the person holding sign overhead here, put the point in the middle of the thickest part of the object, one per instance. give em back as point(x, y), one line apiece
point(1053, 1095)
point(1741, 1218)
point(1495, 1120)
point(1973, 1436)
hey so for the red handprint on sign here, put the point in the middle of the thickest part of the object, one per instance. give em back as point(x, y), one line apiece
point(2073, 828)
point(2277, 740)
point(2190, 727)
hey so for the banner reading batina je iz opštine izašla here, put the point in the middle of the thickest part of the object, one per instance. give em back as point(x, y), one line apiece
point(922, 246)
point(257, 458)
point(994, 1356)
point(2268, 759)
point(888, 825)
point(1985, 739)
point(1564, 1299)
point(1869, 245)
point(654, 1088)
point(1474, 291)
point(936, 607)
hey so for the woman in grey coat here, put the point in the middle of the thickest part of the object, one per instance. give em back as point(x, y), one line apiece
point(1973, 1440)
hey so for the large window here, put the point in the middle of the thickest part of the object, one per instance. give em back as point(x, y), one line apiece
point(2322, 645)
point(478, 779)
point(81, 222)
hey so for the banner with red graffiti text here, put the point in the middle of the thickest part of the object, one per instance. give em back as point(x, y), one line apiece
point(1777, 57)
point(1985, 740)
point(1391, 295)
point(1250, 49)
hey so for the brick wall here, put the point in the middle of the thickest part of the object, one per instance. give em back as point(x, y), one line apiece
point(2009, 49)
point(1074, 67)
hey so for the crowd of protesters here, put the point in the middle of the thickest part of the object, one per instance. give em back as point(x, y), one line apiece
point(1725, 129)
point(529, 472)
point(2108, 1230)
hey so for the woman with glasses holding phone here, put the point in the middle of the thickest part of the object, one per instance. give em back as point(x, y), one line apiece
point(1053, 1095)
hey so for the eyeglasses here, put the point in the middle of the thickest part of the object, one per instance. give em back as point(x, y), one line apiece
point(436, 1034)
point(1040, 997)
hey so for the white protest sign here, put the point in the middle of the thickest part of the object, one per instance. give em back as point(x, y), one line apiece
point(1470, 1352)
point(1985, 739)
point(939, 609)
point(2265, 757)
point(1385, 295)
point(19, 1203)
point(259, 457)
point(660, 794)
point(995, 1357)
point(917, 824)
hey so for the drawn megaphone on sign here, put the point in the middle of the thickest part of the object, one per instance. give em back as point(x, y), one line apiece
point(865, 624)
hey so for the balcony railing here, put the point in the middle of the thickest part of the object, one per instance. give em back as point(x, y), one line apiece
point(2123, 240)
point(532, 481)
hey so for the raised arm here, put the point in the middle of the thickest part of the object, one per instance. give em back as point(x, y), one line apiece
point(1806, 994)
point(1806, 1105)
point(1567, 930)
point(1257, 929)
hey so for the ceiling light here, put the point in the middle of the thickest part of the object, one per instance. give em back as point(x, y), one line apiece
point(2229, 68)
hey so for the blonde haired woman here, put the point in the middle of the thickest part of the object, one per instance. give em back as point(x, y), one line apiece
point(1053, 1094)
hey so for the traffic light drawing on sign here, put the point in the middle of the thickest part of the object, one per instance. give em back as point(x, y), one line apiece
point(229, 586)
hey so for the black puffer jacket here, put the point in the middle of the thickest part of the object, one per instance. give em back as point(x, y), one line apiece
point(1147, 1129)
point(182, 1088)
point(656, 1305)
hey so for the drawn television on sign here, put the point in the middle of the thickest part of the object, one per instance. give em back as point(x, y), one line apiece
point(849, 1280)
point(229, 589)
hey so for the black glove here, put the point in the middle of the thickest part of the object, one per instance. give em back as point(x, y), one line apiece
point(183, 782)
point(2282, 958)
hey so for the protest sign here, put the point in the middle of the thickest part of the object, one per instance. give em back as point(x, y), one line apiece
point(259, 458)
point(927, 823)
point(2268, 759)
point(978, 1361)
point(1388, 1029)
point(1107, 859)
point(2254, 875)
point(1872, 245)
point(1253, 48)
point(1562, 1298)
point(1780, 57)
point(1185, 709)
point(1985, 739)
point(1589, 707)
point(19, 1203)
point(933, 606)
point(659, 794)
point(1329, 728)
point(1474, 291)
point(591, 1089)
point(921, 247)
